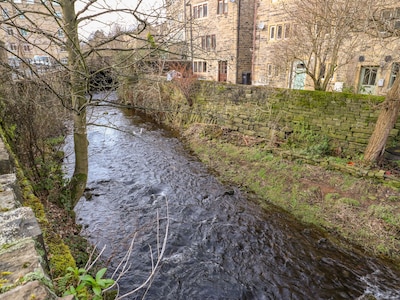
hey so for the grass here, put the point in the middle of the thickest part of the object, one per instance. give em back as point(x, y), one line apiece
point(363, 212)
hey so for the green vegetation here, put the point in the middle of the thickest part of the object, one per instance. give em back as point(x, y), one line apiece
point(361, 211)
point(96, 284)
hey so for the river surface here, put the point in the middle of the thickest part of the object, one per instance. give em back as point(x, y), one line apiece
point(220, 245)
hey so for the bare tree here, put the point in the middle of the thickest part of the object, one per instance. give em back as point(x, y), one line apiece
point(322, 37)
point(384, 25)
point(48, 37)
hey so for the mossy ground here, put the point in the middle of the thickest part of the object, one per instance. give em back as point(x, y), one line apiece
point(362, 211)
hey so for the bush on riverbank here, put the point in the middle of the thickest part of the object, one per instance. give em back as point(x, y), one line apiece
point(32, 124)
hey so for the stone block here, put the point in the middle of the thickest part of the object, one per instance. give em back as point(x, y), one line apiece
point(8, 180)
point(8, 200)
point(5, 162)
point(19, 262)
point(18, 224)
point(30, 290)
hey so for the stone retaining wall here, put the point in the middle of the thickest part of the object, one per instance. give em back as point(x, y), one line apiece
point(347, 120)
point(23, 267)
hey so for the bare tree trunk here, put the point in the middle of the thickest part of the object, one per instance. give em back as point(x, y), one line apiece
point(79, 102)
point(386, 120)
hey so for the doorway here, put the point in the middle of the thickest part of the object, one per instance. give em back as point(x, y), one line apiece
point(299, 76)
point(368, 80)
point(222, 70)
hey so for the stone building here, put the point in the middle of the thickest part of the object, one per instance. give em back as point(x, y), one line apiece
point(30, 32)
point(217, 36)
point(368, 60)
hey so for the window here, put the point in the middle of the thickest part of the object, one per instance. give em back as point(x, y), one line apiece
point(222, 7)
point(58, 15)
point(393, 73)
point(63, 49)
point(272, 70)
point(208, 42)
point(26, 47)
point(269, 70)
point(17, 1)
point(279, 31)
point(13, 62)
point(10, 31)
point(30, 1)
point(272, 32)
point(23, 32)
point(369, 76)
point(390, 19)
point(200, 11)
point(287, 31)
point(276, 71)
point(64, 60)
point(60, 33)
point(13, 46)
point(5, 13)
point(199, 66)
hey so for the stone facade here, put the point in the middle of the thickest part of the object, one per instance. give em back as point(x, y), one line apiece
point(218, 37)
point(244, 47)
point(23, 24)
point(371, 69)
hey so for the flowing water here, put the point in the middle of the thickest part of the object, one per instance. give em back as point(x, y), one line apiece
point(220, 245)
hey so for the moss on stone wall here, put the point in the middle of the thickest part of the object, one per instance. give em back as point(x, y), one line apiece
point(59, 255)
point(346, 119)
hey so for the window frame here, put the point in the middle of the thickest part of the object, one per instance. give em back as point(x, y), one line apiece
point(5, 13)
point(286, 31)
point(13, 47)
point(222, 7)
point(272, 32)
point(27, 47)
point(23, 32)
point(200, 11)
point(394, 72)
point(209, 42)
point(60, 33)
point(279, 31)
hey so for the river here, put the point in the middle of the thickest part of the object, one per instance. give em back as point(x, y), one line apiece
point(220, 245)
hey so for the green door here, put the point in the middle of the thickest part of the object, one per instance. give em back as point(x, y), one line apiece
point(299, 77)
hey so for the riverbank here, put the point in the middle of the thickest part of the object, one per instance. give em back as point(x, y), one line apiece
point(300, 165)
point(359, 211)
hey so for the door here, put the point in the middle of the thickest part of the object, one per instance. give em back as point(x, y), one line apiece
point(299, 77)
point(368, 80)
point(222, 70)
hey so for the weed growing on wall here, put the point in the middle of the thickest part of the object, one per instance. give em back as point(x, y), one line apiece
point(305, 141)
